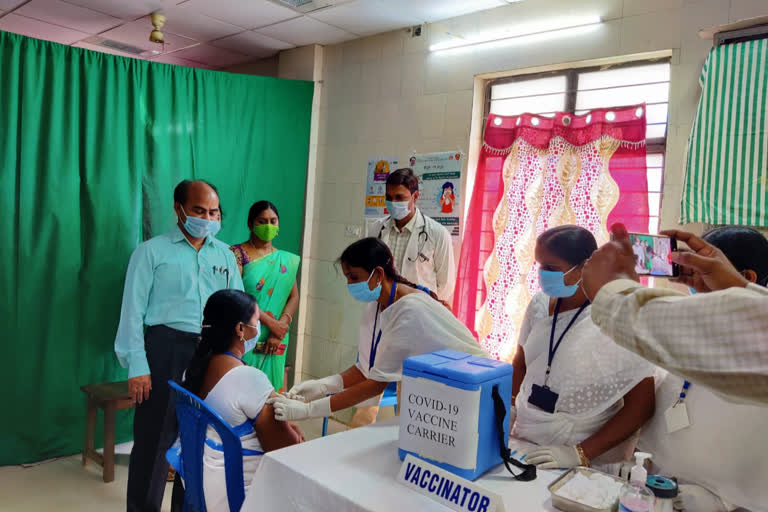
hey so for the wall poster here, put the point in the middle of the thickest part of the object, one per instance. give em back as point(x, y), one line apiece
point(440, 187)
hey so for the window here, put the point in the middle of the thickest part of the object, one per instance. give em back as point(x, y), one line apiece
point(582, 89)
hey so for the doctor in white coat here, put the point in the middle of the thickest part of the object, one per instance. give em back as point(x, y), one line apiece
point(421, 246)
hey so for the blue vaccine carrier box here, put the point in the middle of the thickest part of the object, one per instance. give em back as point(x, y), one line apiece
point(447, 415)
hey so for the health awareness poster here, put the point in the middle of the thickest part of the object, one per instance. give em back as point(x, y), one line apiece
point(440, 187)
point(376, 184)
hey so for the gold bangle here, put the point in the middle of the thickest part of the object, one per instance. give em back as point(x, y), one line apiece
point(290, 318)
point(582, 456)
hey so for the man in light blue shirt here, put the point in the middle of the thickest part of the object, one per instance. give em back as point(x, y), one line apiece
point(168, 282)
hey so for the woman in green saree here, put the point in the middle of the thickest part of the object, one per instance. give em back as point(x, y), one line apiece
point(269, 275)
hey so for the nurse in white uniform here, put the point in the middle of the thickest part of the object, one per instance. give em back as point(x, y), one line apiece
point(401, 321)
point(716, 448)
point(579, 396)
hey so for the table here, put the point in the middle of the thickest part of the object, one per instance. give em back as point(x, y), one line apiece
point(356, 470)
point(111, 397)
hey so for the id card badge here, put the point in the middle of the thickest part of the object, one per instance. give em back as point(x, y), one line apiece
point(543, 398)
point(677, 417)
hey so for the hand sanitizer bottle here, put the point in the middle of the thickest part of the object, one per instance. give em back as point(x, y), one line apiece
point(635, 496)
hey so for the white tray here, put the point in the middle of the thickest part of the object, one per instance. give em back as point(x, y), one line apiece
point(571, 506)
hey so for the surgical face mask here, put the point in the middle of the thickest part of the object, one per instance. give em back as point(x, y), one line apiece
point(553, 284)
point(200, 228)
point(362, 293)
point(266, 232)
point(399, 209)
point(250, 344)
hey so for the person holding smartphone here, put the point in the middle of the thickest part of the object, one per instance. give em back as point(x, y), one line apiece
point(578, 396)
point(713, 339)
point(690, 416)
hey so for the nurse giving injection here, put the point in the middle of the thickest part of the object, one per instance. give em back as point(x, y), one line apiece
point(400, 321)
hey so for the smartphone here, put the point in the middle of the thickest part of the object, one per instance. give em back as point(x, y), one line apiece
point(280, 349)
point(653, 255)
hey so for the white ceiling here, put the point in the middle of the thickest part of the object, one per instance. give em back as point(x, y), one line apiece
point(217, 34)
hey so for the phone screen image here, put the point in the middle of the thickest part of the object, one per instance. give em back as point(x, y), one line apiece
point(653, 255)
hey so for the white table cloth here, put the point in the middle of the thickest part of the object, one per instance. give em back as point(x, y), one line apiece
point(356, 470)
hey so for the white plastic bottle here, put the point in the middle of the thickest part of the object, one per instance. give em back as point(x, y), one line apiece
point(635, 496)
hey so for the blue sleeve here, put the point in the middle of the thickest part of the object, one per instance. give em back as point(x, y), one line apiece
point(129, 342)
point(235, 280)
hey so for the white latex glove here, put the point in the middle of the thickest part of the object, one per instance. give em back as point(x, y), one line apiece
point(314, 389)
point(695, 498)
point(554, 457)
point(294, 410)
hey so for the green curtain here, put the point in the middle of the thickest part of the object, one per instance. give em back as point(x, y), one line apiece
point(91, 147)
point(726, 175)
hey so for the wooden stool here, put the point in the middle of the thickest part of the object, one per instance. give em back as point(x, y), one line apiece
point(109, 396)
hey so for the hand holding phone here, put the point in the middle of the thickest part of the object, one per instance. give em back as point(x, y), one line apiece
point(705, 262)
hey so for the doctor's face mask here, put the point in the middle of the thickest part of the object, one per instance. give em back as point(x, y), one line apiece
point(400, 201)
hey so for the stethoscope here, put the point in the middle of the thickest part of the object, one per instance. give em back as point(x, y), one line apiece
point(421, 242)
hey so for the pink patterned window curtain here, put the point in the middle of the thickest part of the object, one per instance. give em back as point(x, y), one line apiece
point(535, 173)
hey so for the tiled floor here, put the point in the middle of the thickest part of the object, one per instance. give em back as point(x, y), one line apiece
point(64, 485)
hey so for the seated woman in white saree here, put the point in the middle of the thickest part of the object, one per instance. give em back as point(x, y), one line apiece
point(236, 391)
point(400, 321)
point(579, 396)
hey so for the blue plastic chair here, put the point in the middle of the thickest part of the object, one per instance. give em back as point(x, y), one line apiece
point(194, 417)
point(388, 399)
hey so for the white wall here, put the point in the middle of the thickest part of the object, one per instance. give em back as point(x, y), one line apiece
point(388, 95)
